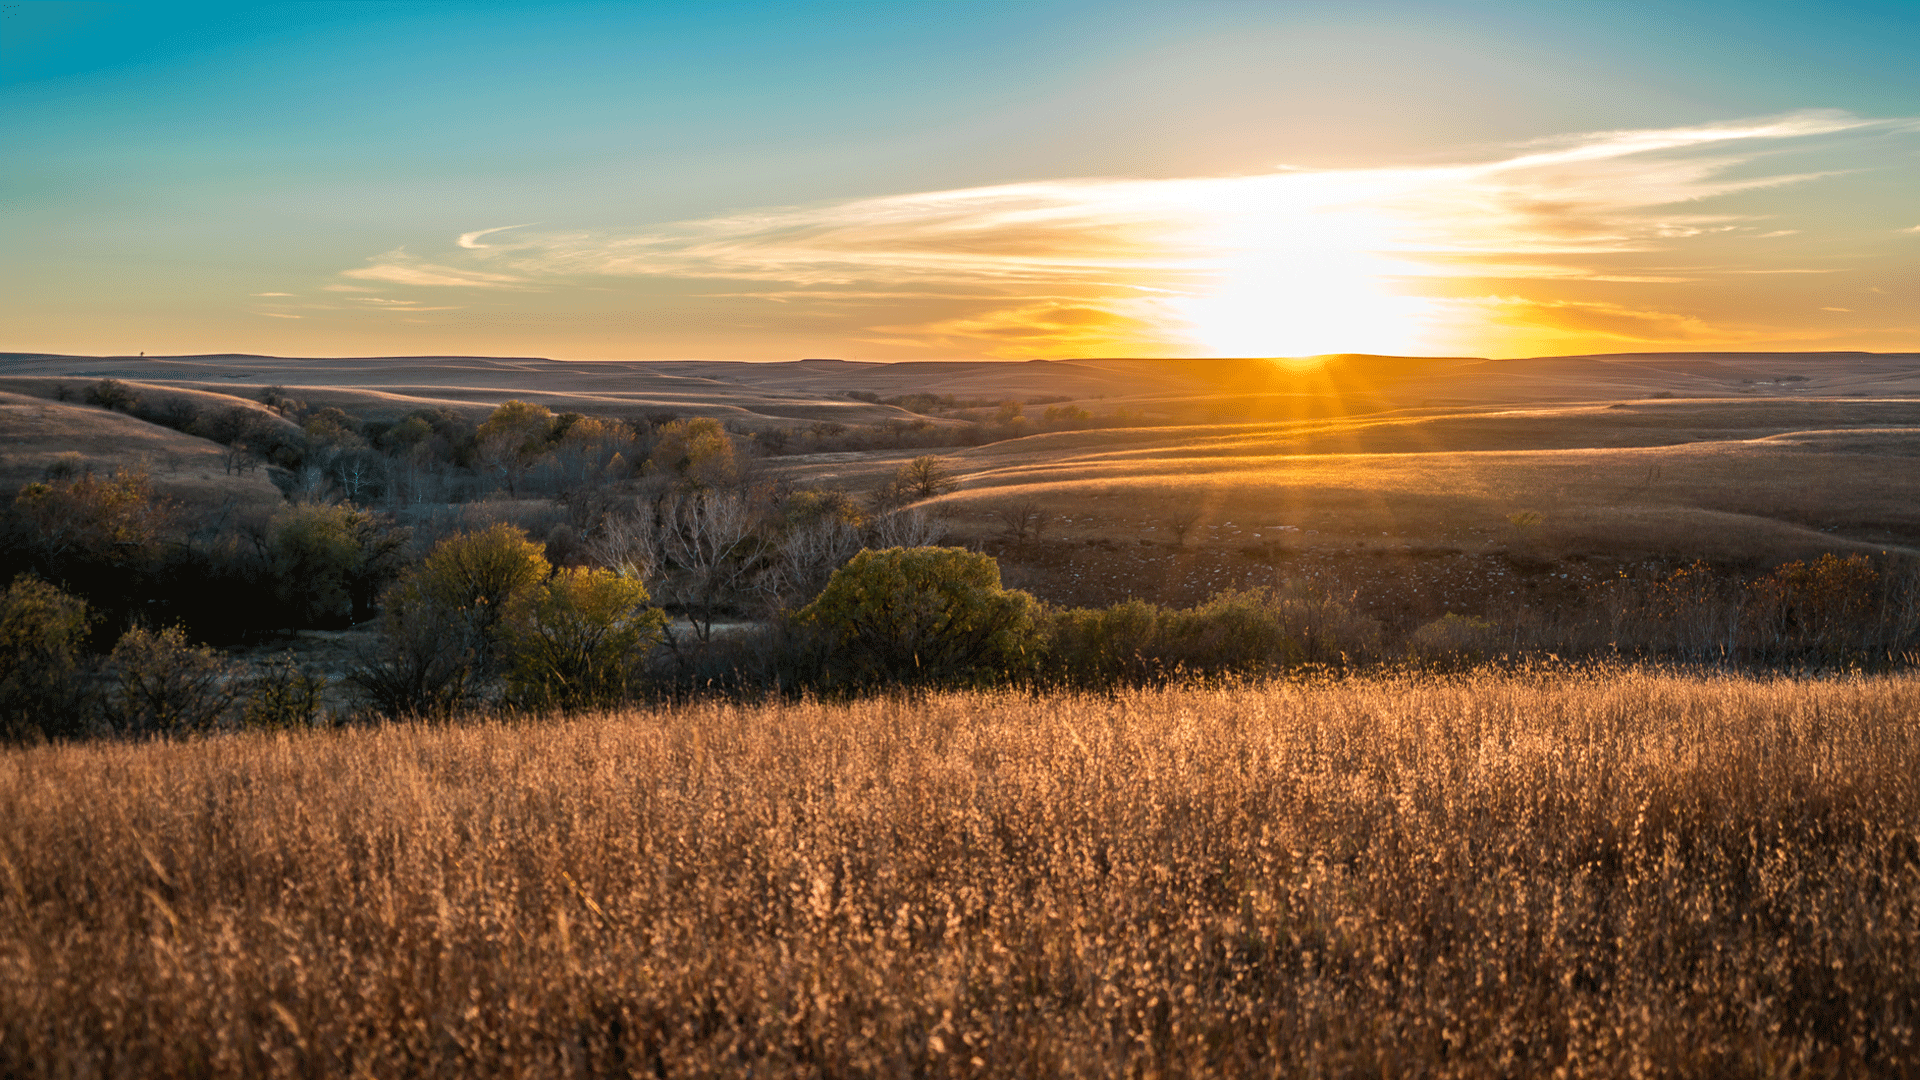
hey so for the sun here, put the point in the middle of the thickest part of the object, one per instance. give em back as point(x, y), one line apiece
point(1304, 305)
point(1299, 268)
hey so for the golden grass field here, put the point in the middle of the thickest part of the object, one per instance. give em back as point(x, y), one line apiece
point(1601, 873)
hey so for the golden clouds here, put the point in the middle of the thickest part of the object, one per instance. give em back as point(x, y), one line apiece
point(1291, 262)
point(1049, 330)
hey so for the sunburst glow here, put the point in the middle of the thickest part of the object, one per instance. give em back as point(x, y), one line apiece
point(1303, 264)
point(1461, 258)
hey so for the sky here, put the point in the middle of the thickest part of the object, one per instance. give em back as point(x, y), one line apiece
point(942, 180)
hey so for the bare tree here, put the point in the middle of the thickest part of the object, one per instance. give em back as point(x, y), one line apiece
point(626, 544)
point(711, 539)
point(1182, 523)
point(361, 474)
point(1022, 521)
point(310, 485)
point(905, 528)
point(925, 477)
point(806, 558)
point(239, 459)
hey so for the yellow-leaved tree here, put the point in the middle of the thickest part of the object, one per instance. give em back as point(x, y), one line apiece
point(579, 639)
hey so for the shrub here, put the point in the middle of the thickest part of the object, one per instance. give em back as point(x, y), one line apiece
point(112, 394)
point(163, 685)
point(1454, 638)
point(1092, 646)
point(282, 694)
point(922, 615)
point(330, 562)
point(1247, 632)
point(1828, 610)
point(436, 648)
point(66, 467)
point(425, 664)
point(42, 631)
point(578, 639)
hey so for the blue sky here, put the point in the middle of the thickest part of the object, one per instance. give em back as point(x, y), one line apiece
point(925, 180)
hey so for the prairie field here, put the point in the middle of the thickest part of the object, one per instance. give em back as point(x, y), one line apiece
point(1578, 872)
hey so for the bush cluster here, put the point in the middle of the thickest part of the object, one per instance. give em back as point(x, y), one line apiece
point(136, 556)
point(486, 617)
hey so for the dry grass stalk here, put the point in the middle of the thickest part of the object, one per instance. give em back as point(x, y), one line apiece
point(1489, 875)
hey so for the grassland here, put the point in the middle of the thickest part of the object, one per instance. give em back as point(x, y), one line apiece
point(1742, 458)
point(35, 433)
point(1599, 873)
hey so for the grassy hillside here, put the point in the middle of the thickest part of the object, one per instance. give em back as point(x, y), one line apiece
point(1722, 479)
point(36, 433)
point(1594, 874)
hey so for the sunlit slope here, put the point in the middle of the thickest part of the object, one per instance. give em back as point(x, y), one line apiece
point(1727, 479)
point(388, 387)
point(1210, 390)
point(189, 470)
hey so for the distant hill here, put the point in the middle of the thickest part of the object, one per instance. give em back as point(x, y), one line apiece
point(787, 393)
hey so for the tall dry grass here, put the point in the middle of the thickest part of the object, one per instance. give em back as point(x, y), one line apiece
point(1602, 874)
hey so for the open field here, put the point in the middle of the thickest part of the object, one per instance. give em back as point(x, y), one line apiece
point(1604, 873)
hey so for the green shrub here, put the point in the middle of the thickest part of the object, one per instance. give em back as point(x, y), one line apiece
point(164, 685)
point(1246, 632)
point(329, 563)
point(437, 648)
point(1092, 646)
point(578, 640)
point(921, 615)
point(477, 574)
point(42, 633)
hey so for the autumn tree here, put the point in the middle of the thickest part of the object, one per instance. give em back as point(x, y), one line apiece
point(438, 645)
point(514, 437)
point(699, 452)
point(87, 519)
point(578, 639)
point(934, 615)
point(330, 562)
point(43, 634)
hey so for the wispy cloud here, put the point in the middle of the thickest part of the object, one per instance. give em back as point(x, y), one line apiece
point(1092, 264)
point(280, 315)
point(400, 268)
point(472, 240)
point(381, 303)
point(270, 294)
